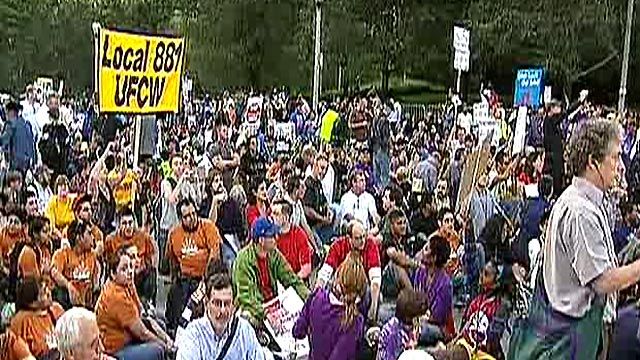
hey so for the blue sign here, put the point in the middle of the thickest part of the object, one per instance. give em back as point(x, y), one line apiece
point(529, 87)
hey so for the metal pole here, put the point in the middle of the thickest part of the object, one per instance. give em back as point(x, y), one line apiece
point(625, 58)
point(316, 55)
point(95, 27)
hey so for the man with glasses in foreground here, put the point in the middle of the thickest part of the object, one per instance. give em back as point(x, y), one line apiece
point(221, 333)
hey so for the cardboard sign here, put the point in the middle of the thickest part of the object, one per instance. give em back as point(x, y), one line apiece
point(281, 315)
point(139, 74)
point(328, 120)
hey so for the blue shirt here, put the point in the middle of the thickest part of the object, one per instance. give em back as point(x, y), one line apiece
point(201, 342)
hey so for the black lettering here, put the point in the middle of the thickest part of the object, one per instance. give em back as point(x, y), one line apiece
point(156, 91)
point(138, 63)
point(146, 55)
point(143, 85)
point(178, 57)
point(120, 96)
point(133, 87)
point(127, 63)
point(105, 60)
point(168, 62)
point(117, 58)
point(158, 61)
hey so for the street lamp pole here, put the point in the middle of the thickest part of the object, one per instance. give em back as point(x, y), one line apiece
point(625, 59)
point(316, 55)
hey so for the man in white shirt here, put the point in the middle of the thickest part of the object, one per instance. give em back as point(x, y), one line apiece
point(359, 204)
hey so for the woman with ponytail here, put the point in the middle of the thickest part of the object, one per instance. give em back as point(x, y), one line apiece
point(331, 318)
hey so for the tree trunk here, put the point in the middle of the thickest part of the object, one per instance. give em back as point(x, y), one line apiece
point(386, 74)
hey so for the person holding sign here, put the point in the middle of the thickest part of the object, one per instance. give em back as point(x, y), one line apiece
point(257, 270)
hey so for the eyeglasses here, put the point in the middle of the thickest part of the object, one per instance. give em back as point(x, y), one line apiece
point(222, 303)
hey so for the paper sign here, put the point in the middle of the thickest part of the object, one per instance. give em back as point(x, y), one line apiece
point(284, 134)
point(521, 131)
point(480, 112)
point(547, 94)
point(281, 315)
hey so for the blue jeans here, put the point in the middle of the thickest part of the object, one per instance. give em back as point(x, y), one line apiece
point(381, 168)
point(146, 351)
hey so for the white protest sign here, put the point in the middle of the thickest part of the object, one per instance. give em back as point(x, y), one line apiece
point(547, 94)
point(521, 131)
point(480, 112)
point(281, 315)
point(252, 115)
point(488, 128)
point(284, 133)
point(462, 54)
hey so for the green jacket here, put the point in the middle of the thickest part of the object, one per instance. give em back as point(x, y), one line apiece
point(246, 283)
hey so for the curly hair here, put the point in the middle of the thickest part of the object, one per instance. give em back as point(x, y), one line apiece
point(591, 142)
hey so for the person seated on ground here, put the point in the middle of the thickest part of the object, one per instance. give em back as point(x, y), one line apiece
point(366, 248)
point(486, 315)
point(34, 255)
point(221, 333)
point(432, 280)
point(78, 336)
point(119, 315)
point(331, 319)
point(398, 263)
point(12, 347)
point(83, 210)
point(257, 270)
point(129, 234)
point(193, 243)
point(59, 210)
point(292, 241)
point(447, 230)
point(36, 316)
point(12, 233)
point(401, 332)
point(78, 266)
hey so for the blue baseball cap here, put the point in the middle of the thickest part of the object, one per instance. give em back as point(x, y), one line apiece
point(264, 227)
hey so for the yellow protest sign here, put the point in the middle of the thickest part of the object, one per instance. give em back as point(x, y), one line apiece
point(139, 74)
point(328, 120)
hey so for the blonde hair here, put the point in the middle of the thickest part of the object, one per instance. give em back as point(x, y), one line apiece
point(351, 282)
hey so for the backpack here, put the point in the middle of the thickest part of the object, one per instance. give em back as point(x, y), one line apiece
point(14, 256)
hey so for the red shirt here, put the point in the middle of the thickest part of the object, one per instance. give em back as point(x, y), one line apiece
point(253, 213)
point(264, 279)
point(342, 247)
point(294, 245)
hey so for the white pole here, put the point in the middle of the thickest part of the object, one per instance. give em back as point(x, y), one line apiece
point(95, 27)
point(316, 55)
point(625, 58)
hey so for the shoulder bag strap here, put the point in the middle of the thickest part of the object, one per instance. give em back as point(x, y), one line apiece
point(229, 340)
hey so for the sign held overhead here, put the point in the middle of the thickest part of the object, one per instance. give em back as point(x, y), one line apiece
point(139, 74)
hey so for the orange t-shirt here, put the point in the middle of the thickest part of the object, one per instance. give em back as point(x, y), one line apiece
point(192, 250)
point(80, 269)
point(142, 241)
point(16, 348)
point(117, 309)
point(28, 264)
point(7, 241)
point(36, 328)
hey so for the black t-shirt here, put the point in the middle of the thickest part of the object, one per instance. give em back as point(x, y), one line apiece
point(314, 198)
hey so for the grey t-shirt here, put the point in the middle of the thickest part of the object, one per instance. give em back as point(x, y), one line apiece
point(578, 249)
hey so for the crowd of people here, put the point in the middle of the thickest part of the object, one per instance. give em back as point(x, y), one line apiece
point(406, 236)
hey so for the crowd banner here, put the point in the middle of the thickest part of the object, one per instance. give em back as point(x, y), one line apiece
point(139, 73)
point(529, 87)
point(281, 315)
point(521, 131)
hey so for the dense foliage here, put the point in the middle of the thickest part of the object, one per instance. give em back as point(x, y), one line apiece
point(366, 42)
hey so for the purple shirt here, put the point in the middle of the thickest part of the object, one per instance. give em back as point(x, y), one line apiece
point(395, 338)
point(439, 294)
point(321, 319)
